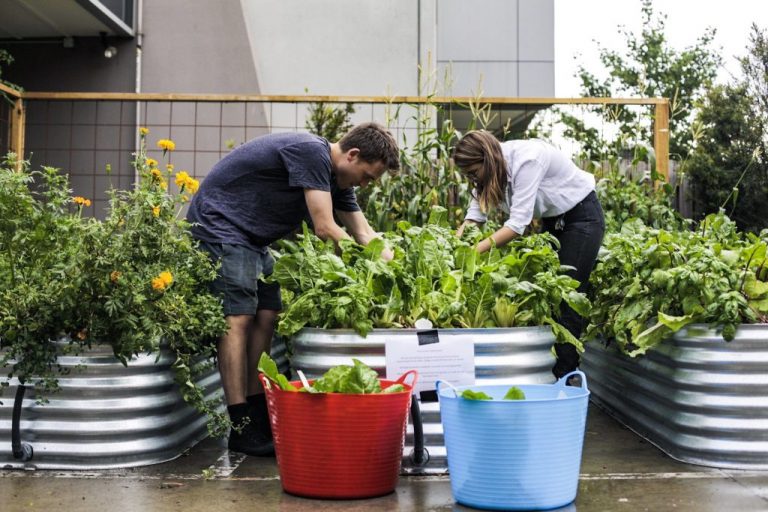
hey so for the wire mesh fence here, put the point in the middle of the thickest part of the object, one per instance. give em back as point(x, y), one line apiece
point(93, 138)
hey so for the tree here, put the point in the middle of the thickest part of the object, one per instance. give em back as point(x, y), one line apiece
point(729, 167)
point(648, 68)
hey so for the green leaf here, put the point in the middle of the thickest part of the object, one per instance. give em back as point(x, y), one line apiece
point(268, 367)
point(468, 394)
point(514, 393)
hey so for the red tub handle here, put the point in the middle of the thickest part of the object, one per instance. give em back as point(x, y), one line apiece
point(401, 379)
point(265, 381)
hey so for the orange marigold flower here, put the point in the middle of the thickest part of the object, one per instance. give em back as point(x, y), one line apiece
point(81, 201)
point(166, 145)
point(158, 284)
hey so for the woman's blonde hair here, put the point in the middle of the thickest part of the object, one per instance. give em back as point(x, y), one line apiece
point(478, 156)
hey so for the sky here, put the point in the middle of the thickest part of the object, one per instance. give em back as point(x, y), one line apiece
point(579, 22)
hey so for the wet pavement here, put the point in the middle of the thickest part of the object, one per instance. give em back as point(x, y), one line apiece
point(619, 472)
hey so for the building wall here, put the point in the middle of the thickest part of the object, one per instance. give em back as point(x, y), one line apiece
point(497, 47)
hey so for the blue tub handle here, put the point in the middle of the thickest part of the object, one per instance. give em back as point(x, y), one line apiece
point(562, 380)
point(437, 387)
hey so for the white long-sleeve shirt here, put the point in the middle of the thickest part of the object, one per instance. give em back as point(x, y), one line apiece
point(542, 182)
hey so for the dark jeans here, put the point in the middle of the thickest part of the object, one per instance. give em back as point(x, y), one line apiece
point(580, 232)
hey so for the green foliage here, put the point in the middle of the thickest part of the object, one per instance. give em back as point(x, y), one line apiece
point(647, 68)
point(623, 198)
point(329, 121)
point(134, 281)
point(468, 394)
point(651, 282)
point(357, 379)
point(6, 59)
point(45, 246)
point(729, 168)
point(514, 393)
point(433, 275)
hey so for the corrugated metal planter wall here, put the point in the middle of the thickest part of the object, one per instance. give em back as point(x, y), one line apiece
point(108, 415)
point(698, 398)
point(519, 355)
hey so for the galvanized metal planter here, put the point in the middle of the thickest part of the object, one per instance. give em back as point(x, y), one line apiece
point(698, 398)
point(520, 355)
point(108, 415)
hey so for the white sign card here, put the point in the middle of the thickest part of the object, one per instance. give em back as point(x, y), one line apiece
point(451, 359)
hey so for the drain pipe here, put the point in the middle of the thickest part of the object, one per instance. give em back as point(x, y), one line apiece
point(20, 450)
point(137, 84)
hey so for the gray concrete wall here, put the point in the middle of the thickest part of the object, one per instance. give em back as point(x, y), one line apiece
point(497, 47)
point(197, 46)
point(353, 47)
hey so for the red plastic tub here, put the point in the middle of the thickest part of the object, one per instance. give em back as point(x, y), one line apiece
point(339, 446)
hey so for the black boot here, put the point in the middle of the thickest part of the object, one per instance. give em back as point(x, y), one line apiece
point(260, 414)
point(250, 440)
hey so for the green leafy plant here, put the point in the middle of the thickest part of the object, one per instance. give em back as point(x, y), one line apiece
point(329, 121)
point(513, 393)
point(45, 247)
point(359, 379)
point(433, 275)
point(135, 281)
point(649, 282)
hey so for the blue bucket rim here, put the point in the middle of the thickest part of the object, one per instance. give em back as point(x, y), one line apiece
point(445, 392)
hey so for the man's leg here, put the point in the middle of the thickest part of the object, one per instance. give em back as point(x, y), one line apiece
point(233, 358)
point(260, 340)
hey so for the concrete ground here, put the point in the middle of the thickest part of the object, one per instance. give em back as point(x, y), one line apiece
point(619, 472)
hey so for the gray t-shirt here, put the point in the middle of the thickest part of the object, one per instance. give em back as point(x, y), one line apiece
point(255, 194)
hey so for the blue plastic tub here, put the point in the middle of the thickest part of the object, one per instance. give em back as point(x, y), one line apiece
point(515, 454)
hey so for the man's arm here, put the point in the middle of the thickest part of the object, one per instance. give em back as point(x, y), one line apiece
point(357, 225)
point(320, 208)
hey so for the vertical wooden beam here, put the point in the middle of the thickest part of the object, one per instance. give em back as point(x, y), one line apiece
point(18, 120)
point(661, 138)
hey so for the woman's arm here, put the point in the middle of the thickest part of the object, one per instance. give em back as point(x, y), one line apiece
point(501, 237)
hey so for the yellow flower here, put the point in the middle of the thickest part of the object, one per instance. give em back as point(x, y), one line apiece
point(184, 198)
point(81, 201)
point(151, 162)
point(162, 281)
point(163, 184)
point(169, 167)
point(114, 276)
point(167, 277)
point(192, 185)
point(187, 183)
point(156, 211)
point(166, 145)
point(181, 178)
point(156, 174)
point(143, 131)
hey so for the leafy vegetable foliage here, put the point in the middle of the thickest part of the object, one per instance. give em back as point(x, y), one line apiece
point(434, 275)
point(649, 282)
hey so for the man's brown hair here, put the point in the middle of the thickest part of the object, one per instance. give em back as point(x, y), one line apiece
point(376, 144)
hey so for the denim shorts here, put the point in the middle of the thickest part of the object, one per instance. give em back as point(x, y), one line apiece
point(239, 282)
